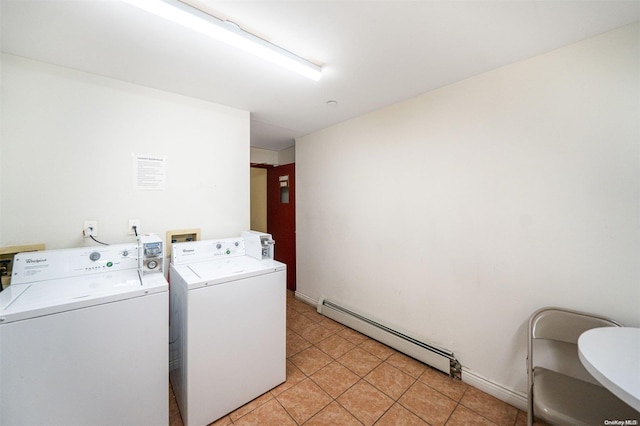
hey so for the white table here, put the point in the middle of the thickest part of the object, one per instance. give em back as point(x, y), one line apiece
point(612, 356)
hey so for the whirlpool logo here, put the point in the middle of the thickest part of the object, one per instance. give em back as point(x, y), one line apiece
point(188, 250)
point(40, 260)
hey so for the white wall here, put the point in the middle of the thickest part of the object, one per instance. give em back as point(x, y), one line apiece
point(67, 144)
point(454, 215)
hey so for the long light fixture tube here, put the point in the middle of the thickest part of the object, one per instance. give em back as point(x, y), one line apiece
point(227, 32)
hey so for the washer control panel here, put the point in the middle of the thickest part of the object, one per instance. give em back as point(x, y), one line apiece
point(152, 254)
point(228, 247)
point(73, 262)
point(207, 250)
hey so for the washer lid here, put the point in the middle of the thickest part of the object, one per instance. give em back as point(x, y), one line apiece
point(24, 301)
point(200, 274)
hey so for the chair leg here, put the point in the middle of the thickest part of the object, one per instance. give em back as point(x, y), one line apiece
point(530, 406)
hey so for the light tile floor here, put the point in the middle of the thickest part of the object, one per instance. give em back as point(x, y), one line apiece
point(337, 376)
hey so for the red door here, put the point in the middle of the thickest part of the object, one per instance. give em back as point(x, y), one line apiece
point(281, 217)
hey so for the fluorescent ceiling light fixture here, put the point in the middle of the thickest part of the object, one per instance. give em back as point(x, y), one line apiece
point(228, 32)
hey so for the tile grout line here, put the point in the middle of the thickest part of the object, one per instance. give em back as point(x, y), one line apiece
point(397, 401)
point(286, 411)
point(458, 403)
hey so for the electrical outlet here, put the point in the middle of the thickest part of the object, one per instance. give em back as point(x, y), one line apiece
point(90, 228)
point(132, 223)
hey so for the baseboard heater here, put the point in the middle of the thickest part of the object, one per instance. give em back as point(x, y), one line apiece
point(439, 358)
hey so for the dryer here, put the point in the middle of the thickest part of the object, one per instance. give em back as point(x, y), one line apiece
point(84, 337)
point(228, 327)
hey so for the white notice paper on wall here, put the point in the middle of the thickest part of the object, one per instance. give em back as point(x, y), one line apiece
point(149, 172)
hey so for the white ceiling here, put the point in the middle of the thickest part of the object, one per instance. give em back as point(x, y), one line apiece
point(374, 53)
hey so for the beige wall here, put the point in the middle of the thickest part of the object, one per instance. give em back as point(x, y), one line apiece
point(287, 156)
point(454, 215)
point(258, 199)
point(263, 156)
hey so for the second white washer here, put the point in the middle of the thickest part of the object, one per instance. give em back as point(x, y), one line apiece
point(228, 321)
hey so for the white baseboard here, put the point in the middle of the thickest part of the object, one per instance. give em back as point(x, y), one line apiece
point(306, 299)
point(511, 397)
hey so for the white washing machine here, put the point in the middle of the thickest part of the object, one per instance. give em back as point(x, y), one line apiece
point(228, 325)
point(84, 337)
